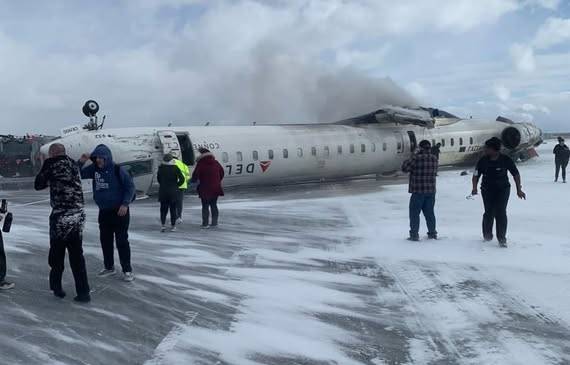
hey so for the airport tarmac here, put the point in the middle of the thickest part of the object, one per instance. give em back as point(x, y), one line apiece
point(311, 274)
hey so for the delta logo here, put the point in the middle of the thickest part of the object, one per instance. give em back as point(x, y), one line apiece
point(264, 165)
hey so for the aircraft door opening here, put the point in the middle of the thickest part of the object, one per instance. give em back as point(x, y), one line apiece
point(187, 151)
point(413, 140)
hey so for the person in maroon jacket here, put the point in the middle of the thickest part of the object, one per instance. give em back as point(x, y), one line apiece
point(208, 174)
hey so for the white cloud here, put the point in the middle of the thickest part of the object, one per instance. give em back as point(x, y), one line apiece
point(523, 57)
point(548, 4)
point(553, 32)
point(502, 92)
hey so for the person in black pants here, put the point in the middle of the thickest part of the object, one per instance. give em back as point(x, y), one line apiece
point(113, 191)
point(561, 158)
point(208, 174)
point(496, 189)
point(170, 179)
point(66, 220)
point(4, 285)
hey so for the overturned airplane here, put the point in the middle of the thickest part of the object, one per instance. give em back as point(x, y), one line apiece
point(372, 144)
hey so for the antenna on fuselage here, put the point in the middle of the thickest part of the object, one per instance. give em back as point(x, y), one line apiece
point(90, 109)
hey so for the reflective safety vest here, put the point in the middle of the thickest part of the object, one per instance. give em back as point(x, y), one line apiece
point(185, 172)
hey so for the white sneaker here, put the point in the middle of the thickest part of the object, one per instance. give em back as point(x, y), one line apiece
point(163, 229)
point(6, 285)
point(128, 277)
point(205, 227)
point(179, 221)
point(173, 229)
point(104, 273)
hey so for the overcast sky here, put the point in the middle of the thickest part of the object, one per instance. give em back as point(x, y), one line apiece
point(152, 62)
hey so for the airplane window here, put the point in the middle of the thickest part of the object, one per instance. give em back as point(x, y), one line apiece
point(384, 146)
point(470, 140)
point(339, 150)
point(314, 151)
point(351, 148)
point(399, 146)
point(363, 148)
point(452, 141)
point(443, 142)
point(138, 168)
point(285, 153)
point(327, 151)
point(461, 141)
point(225, 157)
point(255, 155)
point(270, 154)
point(300, 152)
point(239, 156)
point(373, 147)
point(433, 142)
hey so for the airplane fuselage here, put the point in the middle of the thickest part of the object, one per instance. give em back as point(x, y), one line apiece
point(283, 154)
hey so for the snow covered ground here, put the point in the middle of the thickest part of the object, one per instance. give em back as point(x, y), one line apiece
point(307, 275)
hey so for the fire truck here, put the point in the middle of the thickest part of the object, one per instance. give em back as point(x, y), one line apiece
point(19, 156)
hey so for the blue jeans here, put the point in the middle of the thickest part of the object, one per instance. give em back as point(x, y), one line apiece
point(422, 202)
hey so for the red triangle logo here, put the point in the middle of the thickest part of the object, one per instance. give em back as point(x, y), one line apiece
point(264, 165)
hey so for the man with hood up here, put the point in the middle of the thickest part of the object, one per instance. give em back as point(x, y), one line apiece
point(113, 191)
point(208, 174)
point(66, 221)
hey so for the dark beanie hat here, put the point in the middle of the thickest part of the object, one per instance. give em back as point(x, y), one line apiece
point(560, 139)
point(168, 157)
point(494, 143)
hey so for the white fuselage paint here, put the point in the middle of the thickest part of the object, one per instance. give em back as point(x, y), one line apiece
point(300, 152)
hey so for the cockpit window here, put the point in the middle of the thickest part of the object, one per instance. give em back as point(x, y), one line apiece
point(138, 168)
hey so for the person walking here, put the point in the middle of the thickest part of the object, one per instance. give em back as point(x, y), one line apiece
point(561, 158)
point(208, 174)
point(185, 170)
point(496, 189)
point(67, 218)
point(4, 284)
point(170, 179)
point(422, 167)
point(113, 191)
point(436, 150)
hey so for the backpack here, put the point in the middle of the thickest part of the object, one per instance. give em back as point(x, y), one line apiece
point(117, 169)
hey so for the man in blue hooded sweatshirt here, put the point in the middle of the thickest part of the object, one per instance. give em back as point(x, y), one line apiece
point(113, 191)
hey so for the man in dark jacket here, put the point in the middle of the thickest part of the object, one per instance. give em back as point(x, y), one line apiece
point(561, 158)
point(170, 178)
point(4, 285)
point(496, 189)
point(113, 191)
point(67, 219)
point(209, 175)
point(422, 168)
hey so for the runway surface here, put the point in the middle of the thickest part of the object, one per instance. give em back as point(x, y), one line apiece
point(315, 274)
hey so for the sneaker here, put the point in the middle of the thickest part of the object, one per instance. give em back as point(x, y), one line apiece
point(59, 293)
point(432, 236)
point(105, 272)
point(163, 229)
point(6, 285)
point(204, 227)
point(128, 277)
point(82, 298)
point(503, 243)
point(488, 238)
point(173, 229)
point(414, 238)
point(179, 221)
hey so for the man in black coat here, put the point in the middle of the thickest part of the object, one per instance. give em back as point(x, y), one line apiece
point(561, 158)
point(61, 174)
point(496, 189)
point(170, 179)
